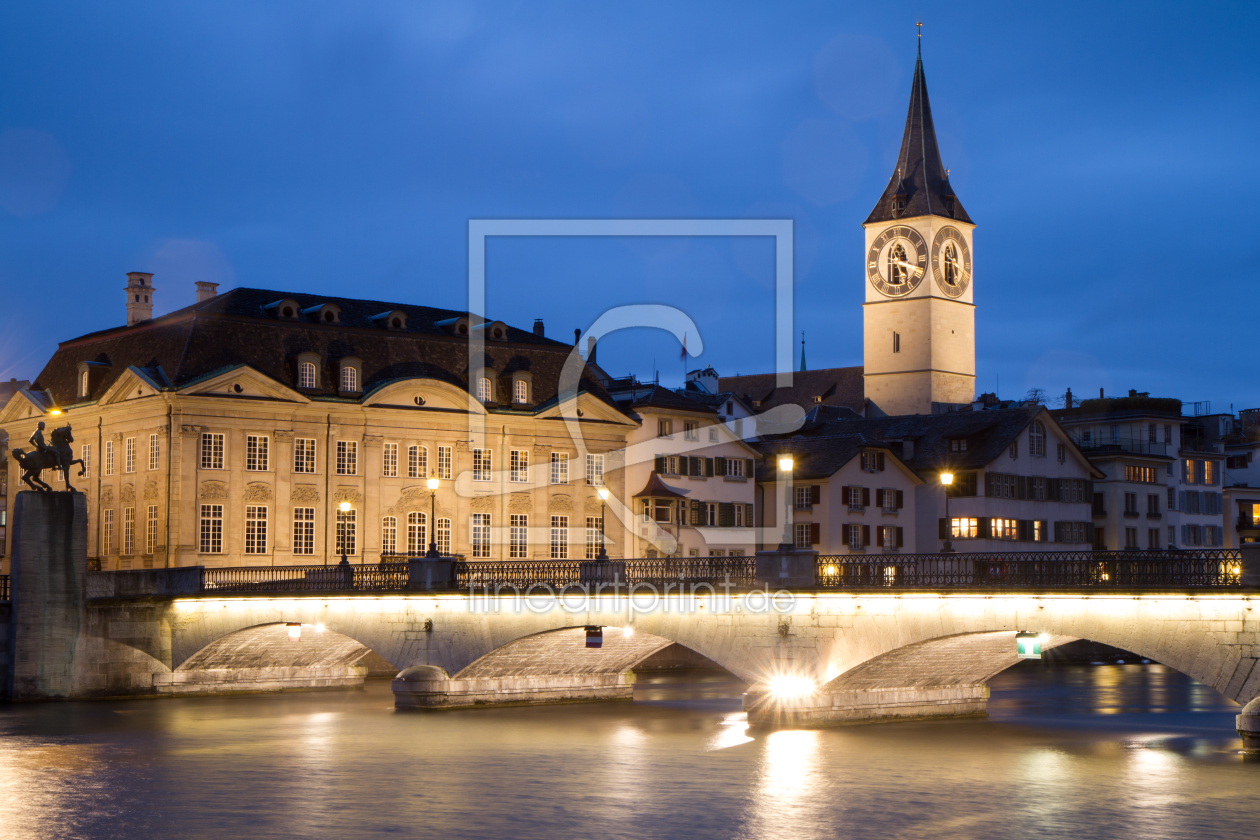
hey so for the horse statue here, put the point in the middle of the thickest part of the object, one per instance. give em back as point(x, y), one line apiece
point(58, 455)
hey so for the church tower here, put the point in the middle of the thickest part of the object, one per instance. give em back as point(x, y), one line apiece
point(139, 297)
point(919, 343)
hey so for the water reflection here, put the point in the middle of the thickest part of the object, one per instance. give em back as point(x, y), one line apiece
point(1089, 751)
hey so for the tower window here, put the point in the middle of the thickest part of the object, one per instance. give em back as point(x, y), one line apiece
point(897, 265)
point(898, 206)
point(896, 342)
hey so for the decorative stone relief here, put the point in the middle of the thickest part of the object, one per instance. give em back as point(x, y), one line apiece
point(592, 504)
point(461, 446)
point(190, 431)
point(257, 491)
point(520, 503)
point(305, 494)
point(373, 440)
point(286, 434)
point(542, 449)
point(128, 493)
point(107, 495)
point(560, 501)
point(482, 503)
point(347, 494)
point(214, 490)
point(150, 491)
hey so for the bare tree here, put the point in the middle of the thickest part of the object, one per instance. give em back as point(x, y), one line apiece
point(1036, 396)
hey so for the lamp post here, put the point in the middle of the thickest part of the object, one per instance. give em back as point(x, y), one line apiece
point(603, 506)
point(785, 467)
point(432, 484)
point(947, 479)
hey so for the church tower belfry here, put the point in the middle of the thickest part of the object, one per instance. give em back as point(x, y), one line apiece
point(919, 345)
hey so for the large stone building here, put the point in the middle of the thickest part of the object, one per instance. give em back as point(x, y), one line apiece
point(267, 428)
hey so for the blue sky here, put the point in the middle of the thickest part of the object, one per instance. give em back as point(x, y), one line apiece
point(1105, 151)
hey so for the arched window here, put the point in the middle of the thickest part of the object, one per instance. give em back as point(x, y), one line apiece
point(417, 533)
point(897, 265)
point(389, 535)
point(951, 264)
point(306, 375)
point(1037, 439)
point(349, 378)
point(521, 388)
point(83, 383)
point(483, 389)
point(443, 534)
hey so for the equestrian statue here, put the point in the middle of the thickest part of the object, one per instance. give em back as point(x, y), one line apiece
point(56, 455)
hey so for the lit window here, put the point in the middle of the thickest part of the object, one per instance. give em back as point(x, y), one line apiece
point(444, 462)
point(559, 468)
point(389, 460)
point(965, 528)
point(520, 466)
point(417, 533)
point(257, 456)
point(559, 538)
point(481, 464)
point(595, 470)
point(481, 535)
point(211, 532)
point(444, 536)
point(304, 530)
point(417, 461)
point(389, 535)
point(594, 528)
point(255, 529)
point(518, 536)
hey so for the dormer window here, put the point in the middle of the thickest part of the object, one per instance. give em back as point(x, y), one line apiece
point(83, 383)
point(394, 319)
point(324, 313)
point(351, 376)
point(520, 391)
point(306, 376)
point(483, 389)
point(287, 309)
point(898, 206)
point(957, 444)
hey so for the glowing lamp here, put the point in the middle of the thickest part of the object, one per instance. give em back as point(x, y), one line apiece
point(319, 628)
point(54, 412)
point(295, 632)
point(785, 463)
point(830, 571)
point(431, 483)
point(1028, 645)
point(602, 493)
point(343, 507)
point(786, 687)
point(947, 478)
point(627, 630)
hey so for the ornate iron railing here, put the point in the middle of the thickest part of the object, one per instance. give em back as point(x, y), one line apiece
point(556, 574)
point(376, 577)
point(4, 587)
point(1037, 570)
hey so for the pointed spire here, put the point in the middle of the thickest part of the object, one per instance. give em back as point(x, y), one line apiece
point(802, 350)
point(919, 185)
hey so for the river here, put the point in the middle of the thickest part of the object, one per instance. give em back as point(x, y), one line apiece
point(1070, 751)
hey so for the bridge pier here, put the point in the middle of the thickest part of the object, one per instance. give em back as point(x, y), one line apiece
point(428, 687)
point(866, 705)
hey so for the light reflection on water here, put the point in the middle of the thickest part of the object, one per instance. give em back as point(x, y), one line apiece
point(1068, 751)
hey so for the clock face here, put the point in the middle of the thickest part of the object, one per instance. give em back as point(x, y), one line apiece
point(951, 261)
point(897, 261)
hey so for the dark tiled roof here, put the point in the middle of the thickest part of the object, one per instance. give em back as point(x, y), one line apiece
point(837, 387)
point(234, 329)
point(988, 434)
point(919, 176)
point(654, 396)
point(816, 457)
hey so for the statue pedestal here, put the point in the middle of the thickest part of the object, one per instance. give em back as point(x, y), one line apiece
point(47, 588)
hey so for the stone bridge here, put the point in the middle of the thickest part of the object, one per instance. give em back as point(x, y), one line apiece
point(811, 655)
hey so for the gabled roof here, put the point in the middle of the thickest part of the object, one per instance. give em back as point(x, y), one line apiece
point(843, 387)
point(659, 489)
point(651, 395)
point(919, 178)
point(822, 456)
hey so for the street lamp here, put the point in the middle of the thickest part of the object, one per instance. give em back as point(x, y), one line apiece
point(947, 478)
point(432, 484)
point(785, 467)
point(603, 505)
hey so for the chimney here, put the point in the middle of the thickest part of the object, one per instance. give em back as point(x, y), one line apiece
point(577, 336)
point(1100, 394)
point(1067, 399)
point(538, 327)
point(139, 297)
point(590, 350)
point(206, 291)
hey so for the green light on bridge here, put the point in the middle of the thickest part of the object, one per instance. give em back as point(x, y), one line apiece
point(1028, 645)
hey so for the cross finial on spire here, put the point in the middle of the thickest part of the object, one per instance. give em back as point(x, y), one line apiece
point(920, 25)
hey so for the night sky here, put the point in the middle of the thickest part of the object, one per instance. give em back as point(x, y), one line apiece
point(1107, 152)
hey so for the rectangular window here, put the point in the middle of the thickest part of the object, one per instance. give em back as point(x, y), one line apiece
point(389, 535)
point(304, 530)
point(853, 537)
point(594, 528)
point(965, 528)
point(444, 462)
point(444, 537)
point(482, 467)
point(1038, 531)
point(1152, 504)
point(211, 534)
point(107, 531)
point(257, 453)
point(804, 498)
point(559, 468)
point(151, 530)
point(664, 428)
point(1189, 475)
point(1143, 475)
point(1037, 488)
point(1172, 536)
point(1152, 433)
point(595, 470)
point(155, 452)
point(520, 466)
point(713, 434)
point(129, 532)
point(416, 526)
point(255, 529)
point(802, 535)
point(129, 455)
point(389, 461)
point(85, 452)
point(1152, 539)
point(418, 461)
point(1004, 529)
point(1062, 452)
point(855, 497)
point(559, 538)
point(1172, 499)
point(1209, 472)
point(958, 445)
point(1130, 538)
point(304, 455)
point(347, 457)
point(739, 516)
point(735, 467)
point(518, 536)
point(896, 342)
point(481, 535)
point(347, 531)
point(211, 451)
point(1130, 503)
point(691, 430)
